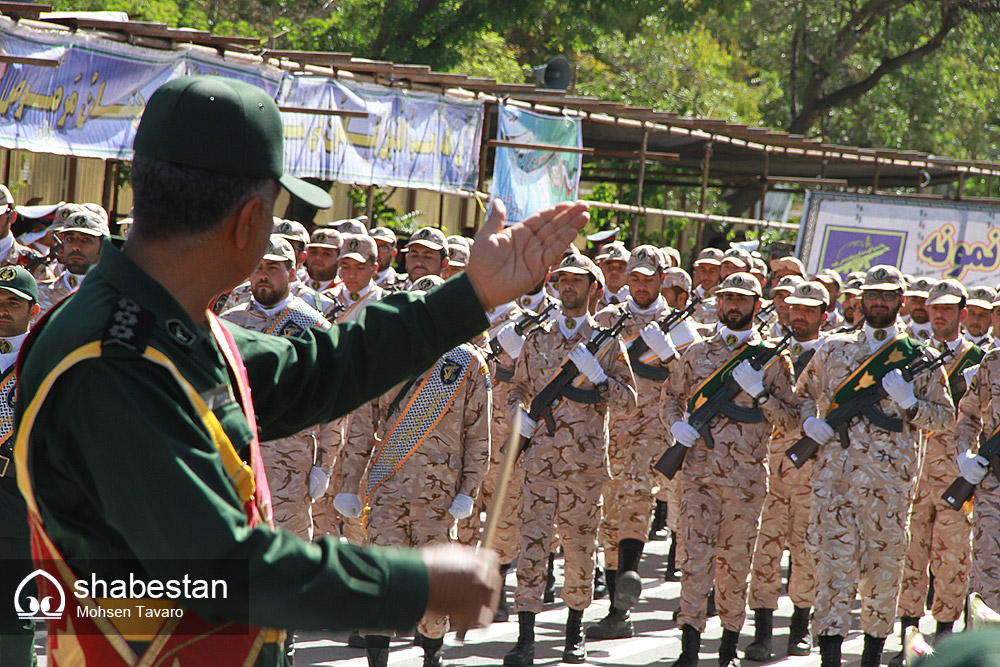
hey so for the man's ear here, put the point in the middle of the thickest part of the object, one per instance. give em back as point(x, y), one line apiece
point(244, 221)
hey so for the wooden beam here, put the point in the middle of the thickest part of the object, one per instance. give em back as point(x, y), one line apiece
point(24, 60)
point(23, 8)
point(347, 113)
point(541, 147)
point(636, 155)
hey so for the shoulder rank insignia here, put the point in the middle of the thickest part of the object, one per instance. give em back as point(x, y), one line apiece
point(129, 325)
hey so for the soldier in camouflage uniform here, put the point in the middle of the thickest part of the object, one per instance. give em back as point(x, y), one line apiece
point(785, 516)
point(833, 283)
point(424, 447)
point(723, 488)
point(322, 253)
point(918, 322)
point(13, 253)
point(781, 322)
point(976, 328)
point(426, 254)
point(81, 235)
point(385, 239)
point(851, 304)
point(613, 262)
point(638, 437)
point(786, 266)
point(458, 257)
point(565, 468)
point(940, 537)
point(862, 493)
point(706, 279)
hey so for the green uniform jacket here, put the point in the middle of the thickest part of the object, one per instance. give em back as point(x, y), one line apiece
point(123, 470)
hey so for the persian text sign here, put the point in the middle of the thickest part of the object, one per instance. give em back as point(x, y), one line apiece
point(529, 180)
point(408, 139)
point(850, 232)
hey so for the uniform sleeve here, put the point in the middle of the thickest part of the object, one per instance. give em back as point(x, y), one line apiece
point(676, 390)
point(782, 409)
point(521, 391)
point(476, 418)
point(974, 406)
point(935, 409)
point(359, 445)
point(809, 386)
point(621, 383)
point(329, 438)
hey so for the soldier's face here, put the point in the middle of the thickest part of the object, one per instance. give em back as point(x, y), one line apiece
point(977, 322)
point(851, 306)
point(831, 288)
point(644, 289)
point(15, 314)
point(675, 296)
point(321, 262)
point(706, 275)
point(946, 319)
point(806, 320)
point(80, 251)
point(270, 280)
point(614, 273)
point(575, 290)
point(422, 261)
point(918, 309)
point(356, 275)
point(880, 307)
point(995, 317)
point(728, 268)
point(736, 311)
point(780, 307)
point(386, 253)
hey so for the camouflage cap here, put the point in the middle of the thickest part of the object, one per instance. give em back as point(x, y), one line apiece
point(738, 256)
point(292, 230)
point(855, 275)
point(458, 254)
point(431, 237)
point(883, 277)
point(758, 266)
point(677, 277)
point(19, 282)
point(358, 246)
point(920, 286)
point(788, 283)
point(811, 293)
point(85, 222)
point(383, 235)
point(709, 256)
point(829, 276)
point(325, 238)
point(740, 283)
point(6, 198)
point(853, 286)
point(352, 226)
point(789, 263)
point(65, 210)
point(578, 263)
point(646, 260)
point(946, 292)
point(614, 252)
point(279, 250)
point(461, 240)
point(672, 256)
point(426, 282)
point(982, 296)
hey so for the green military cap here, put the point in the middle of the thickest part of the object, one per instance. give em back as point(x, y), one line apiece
point(17, 281)
point(811, 293)
point(973, 648)
point(740, 283)
point(946, 292)
point(222, 125)
point(279, 250)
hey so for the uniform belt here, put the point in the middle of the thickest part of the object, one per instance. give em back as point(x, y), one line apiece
point(503, 374)
point(656, 373)
point(577, 395)
point(741, 414)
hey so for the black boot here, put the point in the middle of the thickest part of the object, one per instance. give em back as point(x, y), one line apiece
point(433, 648)
point(550, 581)
point(829, 650)
point(523, 653)
point(602, 582)
point(727, 648)
point(710, 609)
point(616, 625)
point(659, 519)
point(871, 656)
point(670, 572)
point(628, 584)
point(799, 641)
point(904, 622)
point(690, 645)
point(355, 640)
point(377, 648)
point(575, 651)
point(503, 609)
point(763, 623)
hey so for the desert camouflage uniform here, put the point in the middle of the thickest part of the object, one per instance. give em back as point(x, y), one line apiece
point(388, 278)
point(706, 312)
point(288, 461)
point(921, 332)
point(722, 489)
point(22, 255)
point(784, 520)
point(316, 300)
point(55, 290)
point(834, 320)
point(940, 537)
point(985, 342)
point(978, 416)
point(410, 507)
point(564, 471)
point(609, 298)
point(862, 494)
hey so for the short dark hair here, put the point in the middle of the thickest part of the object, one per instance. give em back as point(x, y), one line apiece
point(172, 200)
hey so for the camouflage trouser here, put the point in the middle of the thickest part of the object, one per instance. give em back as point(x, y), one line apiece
point(574, 509)
point(399, 523)
point(627, 515)
point(986, 545)
point(507, 539)
point(860, 543)
point(287, 462)
point(942, 538)
point(718, 529)
point(784, 522)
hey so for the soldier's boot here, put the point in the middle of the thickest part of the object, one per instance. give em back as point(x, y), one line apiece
point(433, 650)
point(727, 648)
point(602, 582)
point(503, 609)
point(616, 625)
point(829, 650)
point(523, 653)
point(659, 519)
point(871, 656)
point(377, 650)
point(575, 651)
point(710, 609)
point(550, 581)
point(628, 583)
point(670, 572)
point(904, 622)
point(799, 641)
point(355, 640)
point(944, 628)
point(760, 649)
point(690, 645)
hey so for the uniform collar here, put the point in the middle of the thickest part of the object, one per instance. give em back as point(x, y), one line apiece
point(802, 346)
point(570, 326)
point(532, 302)
point(351, 298)
point(321, 285)
point(619, 296)
point(921, 331)
point(733, 339)
point(276, 308)
point(654, 307)
point(876, 338)
point(952, 344)
point(6, 244)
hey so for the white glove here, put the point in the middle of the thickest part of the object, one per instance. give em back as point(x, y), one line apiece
point(461, 507)
point(818, 429)
point(588, 364)
point(347, 504)
point(318, 481)
point(970, 373)
point(684, 433)
point(973, 467)
point(899, 389)
point(750, 380)
point(510, 341)
point(528, 425)
point(658, 341)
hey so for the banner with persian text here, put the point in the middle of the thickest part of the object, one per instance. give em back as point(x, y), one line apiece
point(530, 180)
point(850, 232)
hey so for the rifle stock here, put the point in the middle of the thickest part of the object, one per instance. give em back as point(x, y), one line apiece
point(671, 461)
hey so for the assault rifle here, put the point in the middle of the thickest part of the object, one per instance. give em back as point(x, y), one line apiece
point(962, 489)
point(864, 405)
point(666, 324)
point(764, 314)
point(546, 399)
point(526, 322)
point(701, 418)
point(44, 260)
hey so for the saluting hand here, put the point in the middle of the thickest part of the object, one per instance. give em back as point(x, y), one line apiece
point(507, 262)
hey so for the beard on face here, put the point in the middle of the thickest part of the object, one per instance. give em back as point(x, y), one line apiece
point(736, 320)
point(879, 320)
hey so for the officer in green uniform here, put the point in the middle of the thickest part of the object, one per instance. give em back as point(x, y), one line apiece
point(152, 483)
